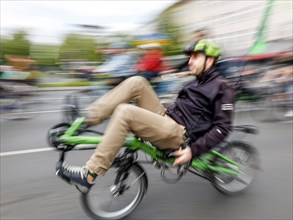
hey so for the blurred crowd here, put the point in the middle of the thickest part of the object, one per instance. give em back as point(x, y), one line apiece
point(122, 60)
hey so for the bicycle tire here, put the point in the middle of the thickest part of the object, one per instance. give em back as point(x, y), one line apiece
point(55, 133)
point(95, 201)
point(230, 184)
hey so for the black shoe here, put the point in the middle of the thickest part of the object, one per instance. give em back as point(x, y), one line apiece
point(74, 175)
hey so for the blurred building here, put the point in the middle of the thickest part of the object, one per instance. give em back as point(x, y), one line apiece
point(233, 24)
point(100, 33)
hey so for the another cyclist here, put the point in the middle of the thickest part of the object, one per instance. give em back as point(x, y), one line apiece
point(120, 63)
point(202, 112)
point(151, 64)
point(151, 61)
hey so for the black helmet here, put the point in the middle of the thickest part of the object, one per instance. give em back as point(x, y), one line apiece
point(205, 46)
point(190, 48)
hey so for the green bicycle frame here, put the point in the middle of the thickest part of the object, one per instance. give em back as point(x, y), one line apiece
point(202, 163)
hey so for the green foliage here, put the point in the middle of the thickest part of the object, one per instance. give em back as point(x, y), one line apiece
point(18, 45)
point(45, 55)
point(168, 26)
point(78, 48)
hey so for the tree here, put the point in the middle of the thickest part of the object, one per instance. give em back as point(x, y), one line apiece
point(167, 26)
point(78, 48)
point(18, 45)
point(45, 55)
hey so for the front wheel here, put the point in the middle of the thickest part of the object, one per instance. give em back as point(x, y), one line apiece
point(247, 158)
point(112, 199)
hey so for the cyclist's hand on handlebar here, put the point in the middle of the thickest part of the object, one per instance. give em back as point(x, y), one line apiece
point(183, 156)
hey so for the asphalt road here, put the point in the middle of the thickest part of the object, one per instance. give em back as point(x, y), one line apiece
point(30, 189)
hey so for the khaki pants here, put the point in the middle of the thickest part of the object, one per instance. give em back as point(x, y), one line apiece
point(146, 120)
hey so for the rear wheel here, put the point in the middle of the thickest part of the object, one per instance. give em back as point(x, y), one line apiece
point(246, 156)
point(55, 133)
point(112, 199)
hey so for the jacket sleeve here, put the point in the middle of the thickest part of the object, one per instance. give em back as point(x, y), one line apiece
point(221, 124)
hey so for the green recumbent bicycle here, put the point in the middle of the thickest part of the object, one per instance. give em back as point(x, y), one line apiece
point(230, 167)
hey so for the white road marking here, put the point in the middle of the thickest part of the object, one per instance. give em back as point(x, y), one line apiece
point(18, 152)
point(10, 153)
point(36, 112)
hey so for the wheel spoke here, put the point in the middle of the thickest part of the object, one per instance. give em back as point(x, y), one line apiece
point(242, 154)
point(116, 203)
point(242, 181)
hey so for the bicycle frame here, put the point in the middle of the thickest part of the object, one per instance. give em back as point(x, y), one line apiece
point(203, 163)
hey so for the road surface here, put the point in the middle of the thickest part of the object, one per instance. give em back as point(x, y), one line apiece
point(30, 189)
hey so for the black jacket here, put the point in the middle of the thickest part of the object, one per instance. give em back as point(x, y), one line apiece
point(205, 107)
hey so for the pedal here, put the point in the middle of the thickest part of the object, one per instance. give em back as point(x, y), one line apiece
point(157, 164)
